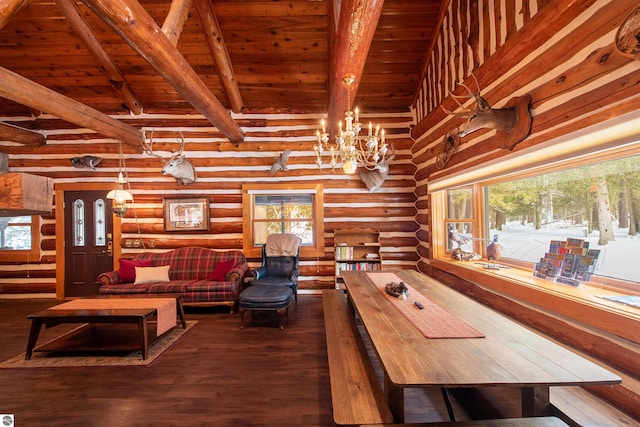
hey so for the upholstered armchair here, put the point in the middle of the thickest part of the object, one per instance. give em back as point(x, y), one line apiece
point(280, 262)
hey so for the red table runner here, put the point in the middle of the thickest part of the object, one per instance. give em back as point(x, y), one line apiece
point(433, 321)
point(166, 308)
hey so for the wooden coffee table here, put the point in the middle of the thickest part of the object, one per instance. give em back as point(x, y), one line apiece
point(100, 332)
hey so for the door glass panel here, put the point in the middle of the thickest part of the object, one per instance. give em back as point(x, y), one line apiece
point(100, 223)
point(78, 223)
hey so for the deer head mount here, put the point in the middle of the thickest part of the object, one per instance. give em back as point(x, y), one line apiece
point(177, 166)
point(373, 179)
point(512, 123)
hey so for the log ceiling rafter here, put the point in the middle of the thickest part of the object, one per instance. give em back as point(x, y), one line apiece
point(8, 8)
point(174, 22)
point(220, 54)
point(34, 95)
point(131, 21)
point(107, 65)
point(20, 135)
point(355, 31)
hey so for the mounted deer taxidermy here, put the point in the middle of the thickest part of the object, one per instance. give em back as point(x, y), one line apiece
point(373, 179)
point(512, 123)
point(280, 162)
point(176, 166)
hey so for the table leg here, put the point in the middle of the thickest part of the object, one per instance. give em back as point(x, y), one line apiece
point(180, 308)
point(36, 326)
point(535, 401)
point(395, 399)
point(144, 337)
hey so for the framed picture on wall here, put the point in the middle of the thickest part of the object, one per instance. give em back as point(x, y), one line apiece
point(186, 214)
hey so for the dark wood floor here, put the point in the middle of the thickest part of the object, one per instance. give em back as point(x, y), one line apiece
point(216, 375)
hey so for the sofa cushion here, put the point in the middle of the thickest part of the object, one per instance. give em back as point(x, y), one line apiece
point(221, 270)
point(127, 272)
point(152, 274)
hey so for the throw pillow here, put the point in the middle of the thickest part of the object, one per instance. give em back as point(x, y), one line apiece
point(152, 274)
point(127, 272)
point(222, 268)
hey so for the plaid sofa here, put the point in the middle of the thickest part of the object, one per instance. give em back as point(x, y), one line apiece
point(190, 271)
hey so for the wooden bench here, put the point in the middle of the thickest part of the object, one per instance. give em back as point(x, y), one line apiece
point(507, 422)
point(356, 393)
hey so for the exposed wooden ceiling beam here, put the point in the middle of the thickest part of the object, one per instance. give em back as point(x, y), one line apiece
point(8, 8)
point(129, 19)
point(108, 66)
point(220, 54)
point(357, 26)
point(23, 136)
point(174, 22)
point(31, 94)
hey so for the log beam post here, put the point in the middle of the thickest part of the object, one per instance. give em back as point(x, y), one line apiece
point(355, 31)
point(129, 19)
point(174, 22)
point(107, 65)
point(20, 135)
point(220, 54)
point(34, 95)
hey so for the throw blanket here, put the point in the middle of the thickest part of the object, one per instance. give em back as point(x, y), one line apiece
point(166, 308)
point(283, 245)
point(433, 321)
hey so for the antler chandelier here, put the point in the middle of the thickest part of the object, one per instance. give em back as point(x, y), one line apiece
point(349, 147)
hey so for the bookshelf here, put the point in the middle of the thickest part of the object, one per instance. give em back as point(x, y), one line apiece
point(356, 249)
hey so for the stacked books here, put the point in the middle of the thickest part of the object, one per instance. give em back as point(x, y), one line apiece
point(569, 262)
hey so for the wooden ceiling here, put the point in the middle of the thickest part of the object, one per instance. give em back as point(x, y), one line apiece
point(265, 56)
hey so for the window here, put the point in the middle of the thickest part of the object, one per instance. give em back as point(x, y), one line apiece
point(275, 208)
point(596, 205)
point(592, 202)
point(19, 238)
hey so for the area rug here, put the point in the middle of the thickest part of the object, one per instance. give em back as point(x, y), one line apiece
point(133, 358)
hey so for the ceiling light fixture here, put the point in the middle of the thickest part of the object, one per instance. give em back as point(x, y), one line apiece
point(120, 196)
point(349, 147)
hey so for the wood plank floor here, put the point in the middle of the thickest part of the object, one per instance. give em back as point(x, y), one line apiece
point(216, 375)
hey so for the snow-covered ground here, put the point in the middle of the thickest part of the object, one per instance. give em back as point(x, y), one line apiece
point(619, 258)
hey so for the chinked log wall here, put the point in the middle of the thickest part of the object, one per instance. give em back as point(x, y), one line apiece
point(562, 53)
point(222, 168)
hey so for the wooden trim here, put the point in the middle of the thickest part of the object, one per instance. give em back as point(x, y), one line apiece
point(577, 304)
point(251, 251)
point(60, 243)
point(24, 255)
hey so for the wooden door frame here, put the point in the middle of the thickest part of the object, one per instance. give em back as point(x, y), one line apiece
point(59, 214)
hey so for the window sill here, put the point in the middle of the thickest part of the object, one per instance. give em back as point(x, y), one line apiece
point(579, 303)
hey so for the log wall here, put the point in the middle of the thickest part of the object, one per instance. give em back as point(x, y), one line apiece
point(222, 168)
point(561, 53)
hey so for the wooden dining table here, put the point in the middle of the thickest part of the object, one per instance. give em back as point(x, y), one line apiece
point(501, 353)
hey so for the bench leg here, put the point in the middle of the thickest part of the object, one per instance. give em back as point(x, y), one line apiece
point(447, 402)
point(535, 401)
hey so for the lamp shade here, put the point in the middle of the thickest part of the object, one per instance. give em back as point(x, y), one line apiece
point(119, 194)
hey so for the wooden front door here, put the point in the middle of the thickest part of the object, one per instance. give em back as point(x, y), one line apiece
point(88, 241)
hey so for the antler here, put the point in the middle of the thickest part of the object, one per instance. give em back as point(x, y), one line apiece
point(148, 147)
point(179, 153)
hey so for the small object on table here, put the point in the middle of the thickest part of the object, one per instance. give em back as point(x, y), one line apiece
point(419, 305)
point(397, 290)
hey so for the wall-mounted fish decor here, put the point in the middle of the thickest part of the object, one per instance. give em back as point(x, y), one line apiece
point(85, 162)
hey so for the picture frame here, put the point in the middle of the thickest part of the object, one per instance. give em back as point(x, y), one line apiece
point(186, 214)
